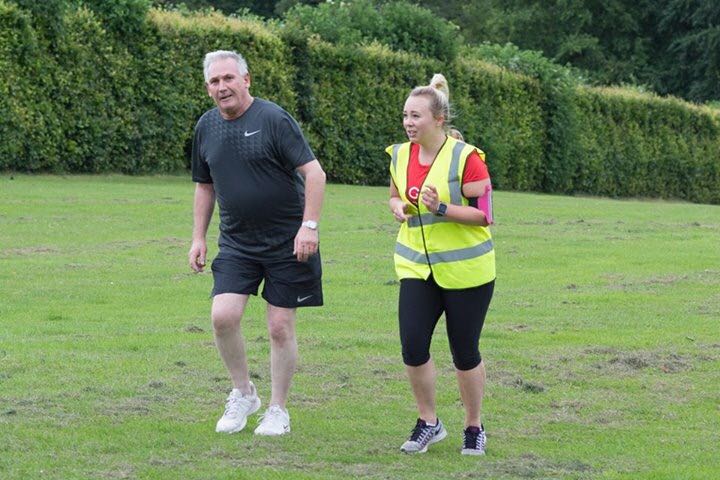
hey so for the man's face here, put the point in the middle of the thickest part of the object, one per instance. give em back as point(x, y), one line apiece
point(228, 88)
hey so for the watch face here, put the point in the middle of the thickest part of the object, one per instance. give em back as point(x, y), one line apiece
point(442, 208)
point(312, 225)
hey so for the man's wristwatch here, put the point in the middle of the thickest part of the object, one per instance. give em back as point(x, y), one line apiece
point(311, 224)
point(441, 210)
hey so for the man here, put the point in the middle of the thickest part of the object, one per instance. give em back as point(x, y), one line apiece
point(250, 155)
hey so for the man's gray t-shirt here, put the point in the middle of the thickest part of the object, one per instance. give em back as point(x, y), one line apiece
point(251, 163)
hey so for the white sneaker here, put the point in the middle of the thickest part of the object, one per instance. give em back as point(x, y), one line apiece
point(422, 436)
point(275, 421)
point(237, 409)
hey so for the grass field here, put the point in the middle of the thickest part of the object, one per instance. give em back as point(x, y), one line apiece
point(602, 343)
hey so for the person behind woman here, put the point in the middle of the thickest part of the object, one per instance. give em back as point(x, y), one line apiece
point(444, 258)
point(456, 134)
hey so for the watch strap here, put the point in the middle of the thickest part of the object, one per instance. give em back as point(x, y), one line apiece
point(311, 224)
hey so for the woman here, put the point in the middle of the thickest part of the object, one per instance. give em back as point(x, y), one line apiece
point(444, 258)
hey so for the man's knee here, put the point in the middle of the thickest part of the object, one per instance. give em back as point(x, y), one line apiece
point(227, 310)
point(280, 330)
point(281, 324)
point(223, 323)
point(225, 320)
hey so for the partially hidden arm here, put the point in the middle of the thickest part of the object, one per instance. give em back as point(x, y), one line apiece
point(462, 214)
point(396, 204)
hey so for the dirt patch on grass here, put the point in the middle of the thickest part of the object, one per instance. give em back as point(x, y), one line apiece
point(38, 407)
point(531, 466)
point(630, 362)
point(711, 306)
point(281, 459)
point(528, 387)
point(617, 282)
point(302, 401)
point(674, 363)
point(136, 406)
point(620, 282)
point(522, 304)
point(132, 244)
point(714, 274)
point(122, 471)
point(518, 328)
point(549, 221)
point(193, 329)
point(25, 251)
point(384, 375)
point(664, 280)
point(567, 410)
point(636, 361)
point(167, 462)
point(140, 405)
point(600, 351)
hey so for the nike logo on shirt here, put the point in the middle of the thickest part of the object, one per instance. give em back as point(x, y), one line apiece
point(249, 134)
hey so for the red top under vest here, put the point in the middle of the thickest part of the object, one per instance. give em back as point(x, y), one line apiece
point(475, 170)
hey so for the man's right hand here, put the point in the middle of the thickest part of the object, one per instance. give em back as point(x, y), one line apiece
point(197, 254)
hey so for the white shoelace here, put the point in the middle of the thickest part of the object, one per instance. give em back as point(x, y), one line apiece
point(424, 435)
point(272, 414)
point(235, 404)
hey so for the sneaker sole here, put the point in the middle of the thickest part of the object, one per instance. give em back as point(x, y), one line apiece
point(470, 451)
point(269, 434)
point(253, 409)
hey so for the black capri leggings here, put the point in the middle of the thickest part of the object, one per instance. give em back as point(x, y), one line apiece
point(420, 306)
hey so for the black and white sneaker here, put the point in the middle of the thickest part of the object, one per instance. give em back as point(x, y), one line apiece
point(422, 436)
point(474, 441)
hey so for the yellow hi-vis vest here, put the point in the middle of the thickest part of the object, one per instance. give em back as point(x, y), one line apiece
point(457, 255)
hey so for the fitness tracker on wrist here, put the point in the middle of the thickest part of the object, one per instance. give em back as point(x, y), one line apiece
point(441, 210)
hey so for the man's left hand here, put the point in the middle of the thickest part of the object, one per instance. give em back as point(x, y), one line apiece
point(306, 243)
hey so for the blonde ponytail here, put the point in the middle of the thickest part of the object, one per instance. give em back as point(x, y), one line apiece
point(439, 82)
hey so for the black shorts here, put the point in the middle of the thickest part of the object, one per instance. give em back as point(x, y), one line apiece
point(421, 304)
point(289, 283)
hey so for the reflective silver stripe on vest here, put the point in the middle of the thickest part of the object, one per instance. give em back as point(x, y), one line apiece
point(427, 219)
point(396, 147)
point(409, 254)
point(444, 257)
point(454, 175)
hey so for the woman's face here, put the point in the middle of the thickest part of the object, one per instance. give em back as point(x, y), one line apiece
point(418, 120)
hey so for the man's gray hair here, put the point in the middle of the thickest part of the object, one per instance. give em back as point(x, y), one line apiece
point(212, 57)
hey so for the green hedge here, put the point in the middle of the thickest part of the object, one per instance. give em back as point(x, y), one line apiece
point(636, 144)
point(97, 91)
point(91, 81)
point(399, 24)
point(29, 127)
point(501, 113)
